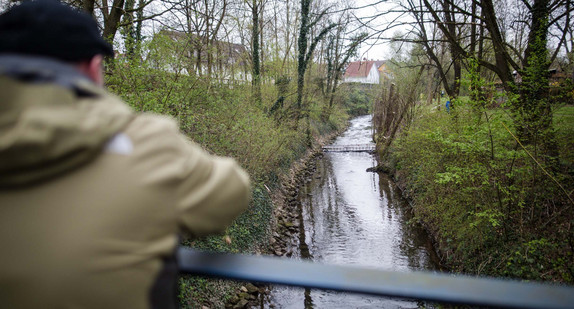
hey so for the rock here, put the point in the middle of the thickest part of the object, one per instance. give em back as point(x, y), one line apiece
point(243, 289)
point(241, 304)
point(234, 299)
point(204, 307)
point(251, 289)
point(379, 169)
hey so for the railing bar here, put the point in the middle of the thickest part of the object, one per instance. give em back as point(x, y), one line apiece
point(418, 285)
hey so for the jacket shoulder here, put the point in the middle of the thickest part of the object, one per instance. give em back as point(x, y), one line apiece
point(146, 124)
point(155, 148)
point(209, 190)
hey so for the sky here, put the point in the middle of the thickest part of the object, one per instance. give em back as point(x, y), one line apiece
point(371, 50)
point(377, 49)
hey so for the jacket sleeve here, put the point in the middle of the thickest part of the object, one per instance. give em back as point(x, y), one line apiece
point(213, 191)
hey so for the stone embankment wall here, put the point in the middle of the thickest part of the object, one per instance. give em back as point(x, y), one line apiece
point(285, 225)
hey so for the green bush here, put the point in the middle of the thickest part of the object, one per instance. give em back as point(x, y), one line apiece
point(357, 99)
point(491, 207)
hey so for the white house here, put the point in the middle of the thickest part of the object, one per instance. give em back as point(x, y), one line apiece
point(364, 72)
point(191, 54)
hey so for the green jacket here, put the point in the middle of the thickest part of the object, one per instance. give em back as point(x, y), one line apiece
point(93, 196)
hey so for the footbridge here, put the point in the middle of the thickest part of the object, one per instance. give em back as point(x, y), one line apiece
point(350, 148)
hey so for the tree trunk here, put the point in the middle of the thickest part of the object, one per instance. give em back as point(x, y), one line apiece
point(255, 53)
point(454, 53)
point(502, 67)
point(112, 17)
point(302, 50)
point(88, 6)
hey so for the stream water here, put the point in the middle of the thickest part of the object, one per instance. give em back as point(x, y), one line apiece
point(349, 216)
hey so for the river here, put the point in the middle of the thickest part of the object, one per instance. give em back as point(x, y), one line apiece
point(349, 216)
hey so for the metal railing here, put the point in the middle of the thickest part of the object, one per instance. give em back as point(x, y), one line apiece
point(434, 287)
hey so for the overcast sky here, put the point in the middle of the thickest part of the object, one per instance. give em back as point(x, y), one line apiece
point(378, 49)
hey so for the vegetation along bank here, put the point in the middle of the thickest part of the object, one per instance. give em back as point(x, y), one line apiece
point(491, 175)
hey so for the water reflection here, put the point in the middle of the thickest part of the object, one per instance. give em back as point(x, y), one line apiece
point(348, 216)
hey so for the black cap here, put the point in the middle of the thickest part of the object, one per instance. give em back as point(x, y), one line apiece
point(52, 29)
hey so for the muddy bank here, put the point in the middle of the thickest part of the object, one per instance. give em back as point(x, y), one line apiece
point(285, 223)
point(285, 200)
point(400, 180)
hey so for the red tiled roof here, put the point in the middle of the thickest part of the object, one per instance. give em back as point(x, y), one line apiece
point(361, 68)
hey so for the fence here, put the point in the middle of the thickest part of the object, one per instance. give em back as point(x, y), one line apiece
point(442, 288)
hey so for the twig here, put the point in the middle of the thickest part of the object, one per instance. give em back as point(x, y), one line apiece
point(546, 172)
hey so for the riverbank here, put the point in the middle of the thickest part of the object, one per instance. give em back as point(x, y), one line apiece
point(490, 208)
point(348, 216)
point(284, 224)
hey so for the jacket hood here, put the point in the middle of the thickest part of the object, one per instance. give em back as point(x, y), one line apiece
point(53, 119)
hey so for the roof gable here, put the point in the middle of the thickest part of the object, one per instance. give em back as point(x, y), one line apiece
point(359, 68)
point(362, 68)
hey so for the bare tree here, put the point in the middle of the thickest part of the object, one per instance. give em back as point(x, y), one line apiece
point(306, 50)
point(256, 40)
point(201, 21)
point(338, 55)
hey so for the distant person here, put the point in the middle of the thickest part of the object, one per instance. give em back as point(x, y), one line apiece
point(92, 195)
point(447, 106)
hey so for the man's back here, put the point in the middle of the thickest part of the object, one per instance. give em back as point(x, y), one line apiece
point(93, 196)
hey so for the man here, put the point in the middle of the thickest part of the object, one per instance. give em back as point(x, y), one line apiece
point(92, 195)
